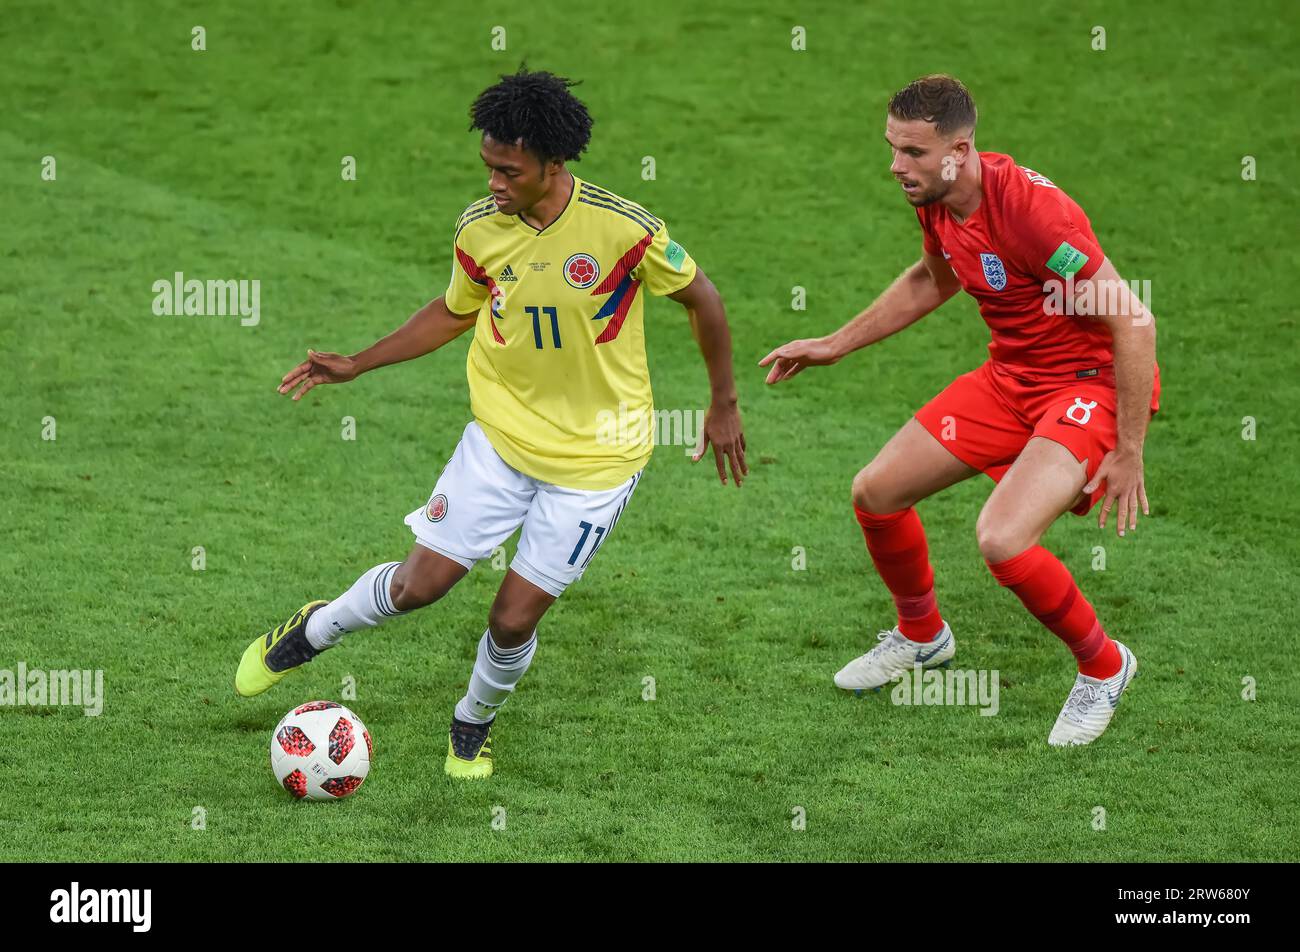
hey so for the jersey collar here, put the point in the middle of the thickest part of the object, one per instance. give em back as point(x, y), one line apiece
point(559, 223)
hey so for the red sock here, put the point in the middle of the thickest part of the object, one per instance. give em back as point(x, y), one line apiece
point(897, 545)
point(1045, 586)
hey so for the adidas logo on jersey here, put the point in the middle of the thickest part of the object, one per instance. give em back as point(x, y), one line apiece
point(507, 275)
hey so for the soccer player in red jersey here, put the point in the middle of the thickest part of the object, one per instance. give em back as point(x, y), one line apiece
point(1057, 415)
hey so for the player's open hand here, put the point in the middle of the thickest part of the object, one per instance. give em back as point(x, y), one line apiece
point(722, 429)
point(1122, 471)
point(788, 359)
point(318, 368)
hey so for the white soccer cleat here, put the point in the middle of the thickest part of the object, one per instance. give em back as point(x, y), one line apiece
point(893, 657)
point(1092, 704)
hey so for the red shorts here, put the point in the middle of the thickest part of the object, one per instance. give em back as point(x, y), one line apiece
point(986, 417)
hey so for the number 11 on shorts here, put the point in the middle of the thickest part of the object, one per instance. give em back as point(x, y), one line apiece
point(586, 528)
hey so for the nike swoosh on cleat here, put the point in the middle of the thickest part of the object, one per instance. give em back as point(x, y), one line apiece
point(924, 658)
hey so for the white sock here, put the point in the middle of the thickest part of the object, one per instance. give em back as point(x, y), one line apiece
point(496, 672)
point(366, 604)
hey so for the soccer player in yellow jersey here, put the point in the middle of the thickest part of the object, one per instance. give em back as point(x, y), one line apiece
point(551, 273)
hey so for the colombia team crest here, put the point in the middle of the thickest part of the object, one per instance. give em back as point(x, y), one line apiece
point(581, 270)
point(994, 273)
point(437, 508)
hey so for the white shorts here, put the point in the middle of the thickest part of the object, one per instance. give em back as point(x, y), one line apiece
point(480, 500)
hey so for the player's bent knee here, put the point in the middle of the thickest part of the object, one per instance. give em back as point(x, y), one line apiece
point(510, 627)
point(997, 543)
point(409, 591)
point(863, 495)
point(870, 496)
point(860, 491)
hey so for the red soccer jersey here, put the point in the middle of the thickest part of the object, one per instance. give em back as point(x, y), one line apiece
point(1025, 233)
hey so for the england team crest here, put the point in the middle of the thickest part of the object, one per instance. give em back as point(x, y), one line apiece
point(994, 273)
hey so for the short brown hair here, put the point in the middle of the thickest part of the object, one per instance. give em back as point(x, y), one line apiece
point(937, 98)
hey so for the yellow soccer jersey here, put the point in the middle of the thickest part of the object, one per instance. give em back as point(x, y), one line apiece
point(557, 370)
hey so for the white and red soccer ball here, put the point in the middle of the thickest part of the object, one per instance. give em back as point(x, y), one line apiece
point(320, 751)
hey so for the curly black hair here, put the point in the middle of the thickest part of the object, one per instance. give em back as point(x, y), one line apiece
point(538, 108)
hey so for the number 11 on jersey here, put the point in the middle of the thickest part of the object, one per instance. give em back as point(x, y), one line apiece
point(537, 313)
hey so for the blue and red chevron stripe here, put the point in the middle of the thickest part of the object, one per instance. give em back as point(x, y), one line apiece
point(623, 286)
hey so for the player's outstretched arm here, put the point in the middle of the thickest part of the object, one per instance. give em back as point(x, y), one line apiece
point(722, 427)
point(426, 330)
point(1108, 298)
point(915, 293)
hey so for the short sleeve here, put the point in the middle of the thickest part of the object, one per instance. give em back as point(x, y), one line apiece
point(1054, 240)
point(468, 288)
point(1065, 252)
point(666, 266)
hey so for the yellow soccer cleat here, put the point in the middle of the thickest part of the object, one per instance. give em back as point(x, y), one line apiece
point(469, 751)
point(273, 655)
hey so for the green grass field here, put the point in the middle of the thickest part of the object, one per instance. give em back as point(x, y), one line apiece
point(771, 170)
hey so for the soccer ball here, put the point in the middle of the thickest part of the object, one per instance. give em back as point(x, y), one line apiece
point(320, 751)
